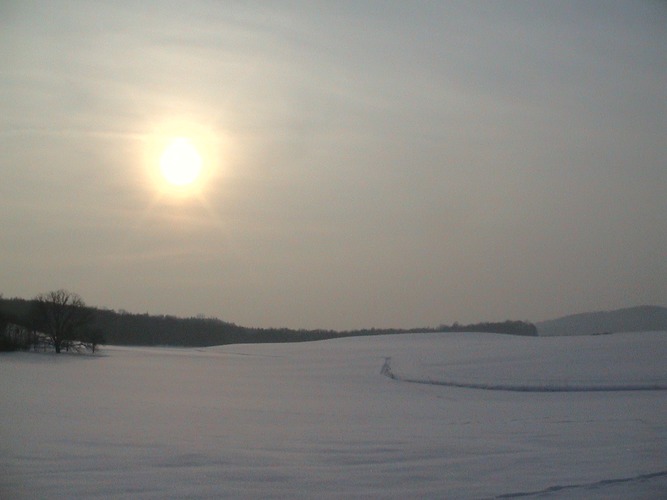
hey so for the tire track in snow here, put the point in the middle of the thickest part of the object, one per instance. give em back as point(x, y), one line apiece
point(585, 486)
point(387, 372)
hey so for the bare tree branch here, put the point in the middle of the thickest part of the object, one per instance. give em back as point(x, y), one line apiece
point(62, 315)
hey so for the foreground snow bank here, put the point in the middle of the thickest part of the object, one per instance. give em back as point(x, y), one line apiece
point(321, 420)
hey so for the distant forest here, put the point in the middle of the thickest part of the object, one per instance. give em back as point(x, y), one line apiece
point(124, 328)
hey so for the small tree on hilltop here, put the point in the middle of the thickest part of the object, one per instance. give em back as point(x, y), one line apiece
point(62, 316)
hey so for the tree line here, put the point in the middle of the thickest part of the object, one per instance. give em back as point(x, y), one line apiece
point(61, 320)
point(58, 320)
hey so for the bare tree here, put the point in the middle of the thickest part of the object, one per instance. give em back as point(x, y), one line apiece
point(91, 338)
point(61, 315)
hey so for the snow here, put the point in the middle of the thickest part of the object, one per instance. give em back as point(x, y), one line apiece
point(461, 416)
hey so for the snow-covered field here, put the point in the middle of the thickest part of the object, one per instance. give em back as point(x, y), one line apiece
point(405, 416)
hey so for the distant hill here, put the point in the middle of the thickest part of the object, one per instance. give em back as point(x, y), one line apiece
point(631, 319)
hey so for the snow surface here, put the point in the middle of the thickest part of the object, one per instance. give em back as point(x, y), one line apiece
point(403, 416)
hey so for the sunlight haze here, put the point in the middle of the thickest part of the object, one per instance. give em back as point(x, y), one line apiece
point(351, 164)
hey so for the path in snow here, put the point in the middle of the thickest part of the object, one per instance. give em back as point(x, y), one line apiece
point(525, 387)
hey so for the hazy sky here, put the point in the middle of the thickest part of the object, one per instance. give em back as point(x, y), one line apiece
point(378, 163)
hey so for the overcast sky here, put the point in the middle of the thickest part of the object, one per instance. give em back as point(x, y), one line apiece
point(365, 164)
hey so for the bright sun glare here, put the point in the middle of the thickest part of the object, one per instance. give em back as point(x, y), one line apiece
point(180, 162)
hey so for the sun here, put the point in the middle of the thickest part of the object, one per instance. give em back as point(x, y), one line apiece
point(180, 162)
